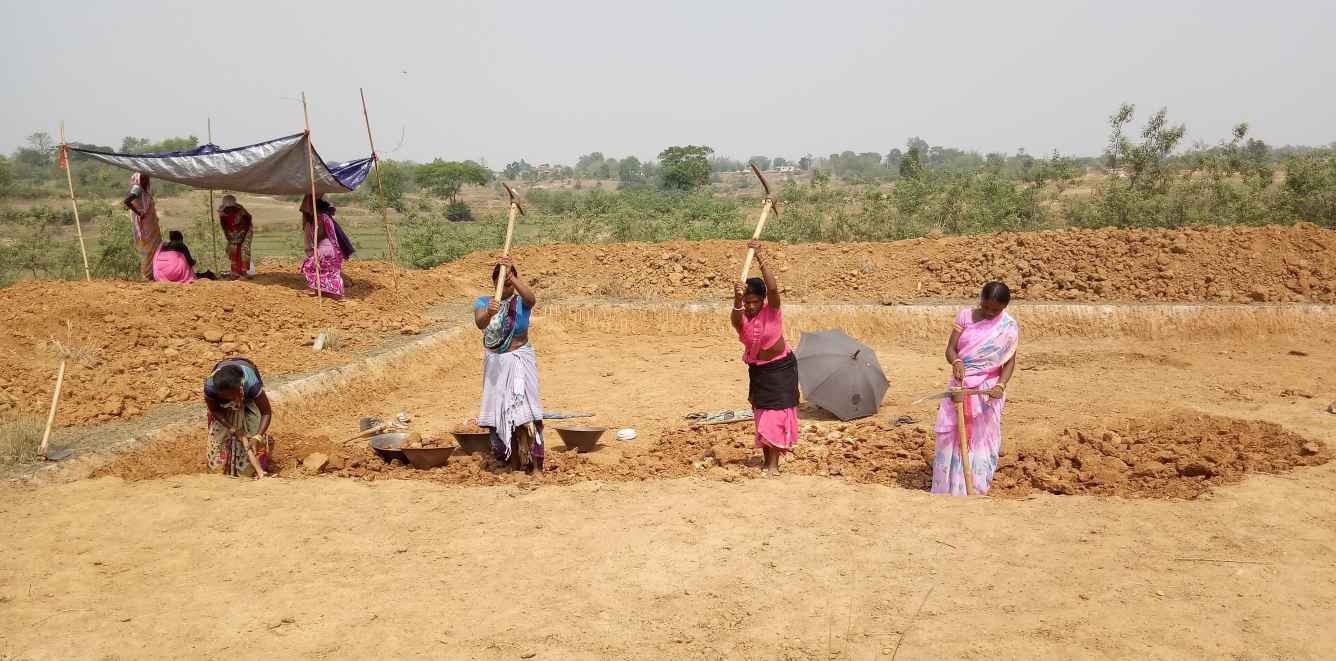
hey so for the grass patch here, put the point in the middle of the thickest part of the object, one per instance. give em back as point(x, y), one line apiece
point(20, 439)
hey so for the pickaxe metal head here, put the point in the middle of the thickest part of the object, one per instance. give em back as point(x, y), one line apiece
point(766, 185)
point(514, 199)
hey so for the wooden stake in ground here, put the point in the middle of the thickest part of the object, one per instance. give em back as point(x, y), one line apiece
point(961, 435)
point(64, 161)
point(390, 252)
point(213, 224)
point(510, 234)
point(767, 206)
point(315, 213)
point(51, 416)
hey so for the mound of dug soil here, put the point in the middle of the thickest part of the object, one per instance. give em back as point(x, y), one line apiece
point(1208, 264)
point(1176, 457)
point(133, 345)
point(1172, 457)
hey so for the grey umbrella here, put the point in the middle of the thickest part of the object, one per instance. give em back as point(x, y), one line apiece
point(840, 374)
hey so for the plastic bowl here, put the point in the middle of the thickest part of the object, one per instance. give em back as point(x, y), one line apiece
point(581, 438)
point(425, 458)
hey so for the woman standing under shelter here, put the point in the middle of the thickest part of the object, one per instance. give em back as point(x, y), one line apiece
point(982, 354)
point(328, 278)
point(511, 408)
point(772, 369)
point(144, 221)
point(238, 229)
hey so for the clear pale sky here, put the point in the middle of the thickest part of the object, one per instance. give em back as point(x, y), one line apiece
point(548, 81)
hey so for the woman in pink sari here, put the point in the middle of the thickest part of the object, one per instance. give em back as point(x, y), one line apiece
point(144, 220)
point(328, 253)
point(982, 353)
point(772, 369)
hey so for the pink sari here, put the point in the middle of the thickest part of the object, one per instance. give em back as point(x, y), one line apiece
point(985, 347)
point(171, 266)
point(330, 256)
point(775, 427)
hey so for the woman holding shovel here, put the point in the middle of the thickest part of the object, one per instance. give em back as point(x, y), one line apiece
point(239, 417)
point(982, 354)
point(772, 369)
point(511, 409)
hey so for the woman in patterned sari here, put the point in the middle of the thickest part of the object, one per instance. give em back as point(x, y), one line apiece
point(328, 253)
point(239, 417)
point(982, 354)
point(144, 220)
point(511, 408)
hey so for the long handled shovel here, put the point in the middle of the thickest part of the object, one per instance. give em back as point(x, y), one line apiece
point(510, 234)
point(767, 206)
point(962, 433)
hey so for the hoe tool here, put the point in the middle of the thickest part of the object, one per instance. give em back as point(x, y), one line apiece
point(510, 234)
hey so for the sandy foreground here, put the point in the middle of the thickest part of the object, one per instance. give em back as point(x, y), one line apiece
point(793, 568)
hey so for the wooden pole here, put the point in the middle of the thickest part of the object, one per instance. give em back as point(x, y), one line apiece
point(315, 213)
point(69, 178)
point(505, 252)
point(968, 472)
point(756, 236)
point(380, 185)
point(213, 223)
point(51, 416)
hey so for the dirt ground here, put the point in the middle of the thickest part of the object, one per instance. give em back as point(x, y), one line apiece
point(1165, 491)
point(135, 345)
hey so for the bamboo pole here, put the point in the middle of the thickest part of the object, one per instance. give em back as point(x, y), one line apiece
point(51, 416)
point(213, 223)
point(69, 178)
point(380, 185)
point(315, 213)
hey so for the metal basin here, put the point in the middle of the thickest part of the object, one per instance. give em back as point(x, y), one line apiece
point(425, 458)
point(580, 438)
point(388, 446)
point(473, 442)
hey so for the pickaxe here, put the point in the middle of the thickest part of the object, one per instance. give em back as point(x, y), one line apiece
point(767, 206)
point(510, 233)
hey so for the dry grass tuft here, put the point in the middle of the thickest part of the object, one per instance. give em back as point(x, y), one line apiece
point(20, 439)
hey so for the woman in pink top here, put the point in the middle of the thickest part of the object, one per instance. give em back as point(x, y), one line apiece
point(771, 367)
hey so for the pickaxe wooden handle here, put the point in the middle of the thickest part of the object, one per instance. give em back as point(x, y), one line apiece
point(510, 234)
point(767, 205)
point(51, 416)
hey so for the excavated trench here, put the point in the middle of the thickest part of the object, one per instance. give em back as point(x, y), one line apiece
point(1159, 401)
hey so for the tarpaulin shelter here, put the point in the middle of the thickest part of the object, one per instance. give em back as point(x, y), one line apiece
point(275, 167)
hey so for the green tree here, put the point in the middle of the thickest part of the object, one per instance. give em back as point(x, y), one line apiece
point(685, 167)
point(588, 164)
point(515, 169)
point(762, 162)
point(1143, 162)
point(6, 177)
point(394, 176)
point(780, 162)
point(444, 179)
point(911, 166)
point(805, 163)
point(629, 171)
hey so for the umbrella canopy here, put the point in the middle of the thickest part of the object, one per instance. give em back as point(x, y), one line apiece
point(840, 374)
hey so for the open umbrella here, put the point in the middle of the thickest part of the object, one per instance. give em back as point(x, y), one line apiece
point(840, 374)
